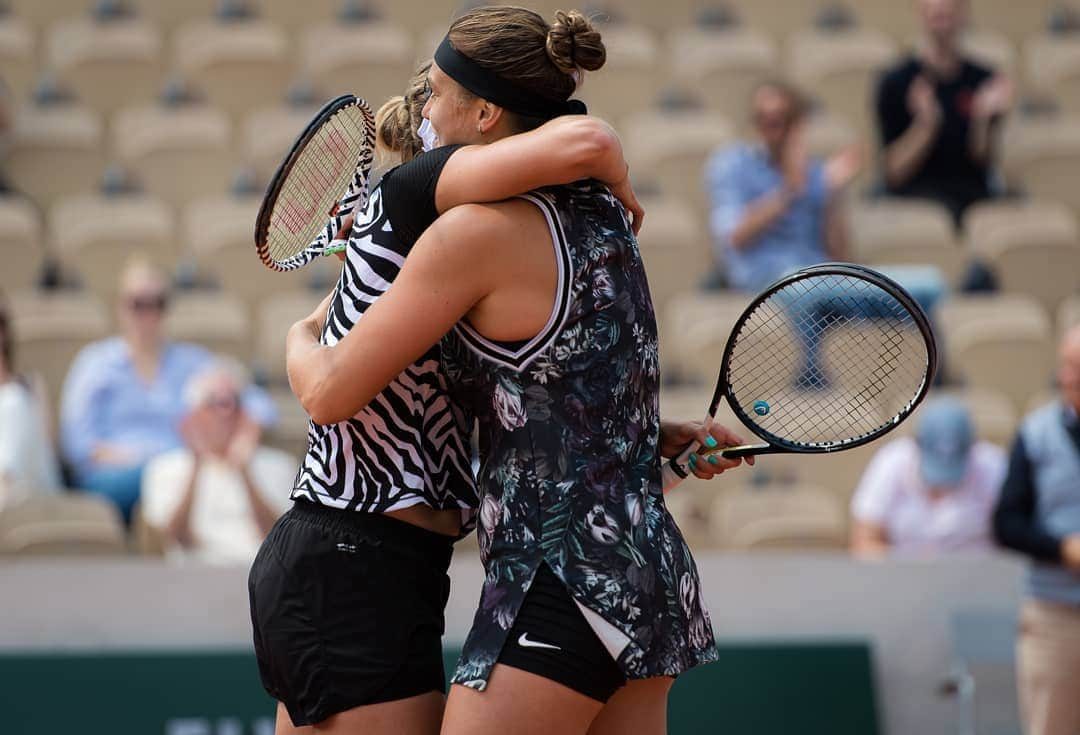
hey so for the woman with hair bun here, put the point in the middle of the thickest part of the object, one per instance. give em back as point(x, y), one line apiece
point(591, 602)
point(348, 590)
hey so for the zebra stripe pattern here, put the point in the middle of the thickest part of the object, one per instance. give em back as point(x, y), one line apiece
point(410, 445)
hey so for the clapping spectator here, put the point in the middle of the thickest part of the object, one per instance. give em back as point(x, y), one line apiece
point(930, 494)
point(937, 113)
point(216, 498)
point(123, 397)
point(774, 208)
point(27, 461)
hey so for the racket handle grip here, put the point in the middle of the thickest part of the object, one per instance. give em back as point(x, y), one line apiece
point(677, 469)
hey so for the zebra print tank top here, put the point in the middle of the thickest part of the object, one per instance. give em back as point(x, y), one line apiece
point(410, 445)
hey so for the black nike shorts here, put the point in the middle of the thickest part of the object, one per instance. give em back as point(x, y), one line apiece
point(347, 610)
point(551, 638)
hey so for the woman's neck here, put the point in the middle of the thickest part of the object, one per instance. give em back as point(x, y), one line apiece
point(145, 354)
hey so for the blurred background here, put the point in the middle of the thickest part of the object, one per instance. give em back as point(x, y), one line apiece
point(852, 593)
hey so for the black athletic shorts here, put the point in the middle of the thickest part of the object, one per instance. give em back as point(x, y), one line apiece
point(552, 639)
point(347, 610)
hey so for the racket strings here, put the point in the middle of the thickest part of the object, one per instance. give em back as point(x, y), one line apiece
point(320, 174)
point(844, 358)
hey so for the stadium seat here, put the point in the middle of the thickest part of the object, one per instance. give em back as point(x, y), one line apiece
point(220, 233)
point(168, 16)
point(1068, 315)
point(723, 66)
point(671, 147)
point(840, 68)
point(1016, 20)
point(178, 153)
point(905, 231)
point(96, 234)
point(272, 323)
point(992, 48)
point(289, 434)
point(71, 524)
point(50, 329)
point(146, 540)
point(780, 19)
point(828, 133)
point(22, 245)
point(694, 329)
point(238, 64)
point(17, 55)
point(292, 17)
point(674, 248)
point(779, 516)
point(269, 132)
point(1042, 155)
point(421, 18)
point(107, 63)
point(631, 76)
point(56, 150)
point(40, 13)
point(899, 20)
point(217, 321)
point(1003, 343)
point(1053, 68)
point(993, 414)
point(372, 60)
point(1033, 248)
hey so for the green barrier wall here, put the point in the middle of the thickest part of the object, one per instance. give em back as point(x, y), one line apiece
point(755, 689)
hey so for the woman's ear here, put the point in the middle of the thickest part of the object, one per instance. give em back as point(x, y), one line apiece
point(489, 117)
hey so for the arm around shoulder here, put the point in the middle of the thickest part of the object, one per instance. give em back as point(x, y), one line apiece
point(448, 271)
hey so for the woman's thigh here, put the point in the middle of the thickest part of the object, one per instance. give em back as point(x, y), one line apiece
point(419, 715)
point(639, 707)
point(518, 702)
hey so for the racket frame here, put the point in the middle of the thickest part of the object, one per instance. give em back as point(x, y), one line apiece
point(777, 445)
point(277, 182)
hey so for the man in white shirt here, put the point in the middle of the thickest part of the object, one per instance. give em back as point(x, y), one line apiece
point(216, 498)
point(932, 493)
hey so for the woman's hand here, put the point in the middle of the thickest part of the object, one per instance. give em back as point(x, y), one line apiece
point(625, 194)
point(676, 436)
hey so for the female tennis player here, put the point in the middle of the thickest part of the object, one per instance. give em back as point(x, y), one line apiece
point(591, 601)
point(348, 591)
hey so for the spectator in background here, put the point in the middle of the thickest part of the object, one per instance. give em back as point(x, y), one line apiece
point(930, 494)
point(775, 209)
point(27, 461)
point(123, 397)
point(1039, 515)
point(937, 113)
point(216, 498)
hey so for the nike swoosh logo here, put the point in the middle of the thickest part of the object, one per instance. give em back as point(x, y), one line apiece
point(524, 642)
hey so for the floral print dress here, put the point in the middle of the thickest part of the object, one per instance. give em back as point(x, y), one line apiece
point(570, 469)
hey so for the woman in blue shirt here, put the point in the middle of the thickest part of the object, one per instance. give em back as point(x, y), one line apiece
point(123, 397)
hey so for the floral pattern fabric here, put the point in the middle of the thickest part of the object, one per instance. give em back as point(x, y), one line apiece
point(570, 469)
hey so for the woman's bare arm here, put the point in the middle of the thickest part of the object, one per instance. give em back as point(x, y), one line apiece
point(452, 267)
point(563, 150)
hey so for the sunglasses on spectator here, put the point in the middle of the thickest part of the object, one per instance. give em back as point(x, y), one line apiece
point(148, 304)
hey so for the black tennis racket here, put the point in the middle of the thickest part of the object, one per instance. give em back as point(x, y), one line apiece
point(826, 359)
point(323, 178)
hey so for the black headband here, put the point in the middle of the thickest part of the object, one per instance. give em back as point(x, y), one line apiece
point(488, 85)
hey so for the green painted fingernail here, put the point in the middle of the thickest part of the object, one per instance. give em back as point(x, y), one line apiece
point(710, 442)
point(714, 460)
point(693, 458)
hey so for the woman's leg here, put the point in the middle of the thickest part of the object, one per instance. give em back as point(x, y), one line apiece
point(518, 702)
point(419, 715)
point(639, 707)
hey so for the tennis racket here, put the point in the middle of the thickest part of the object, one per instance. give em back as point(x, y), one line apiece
point(828, 358)
point(323, 178)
